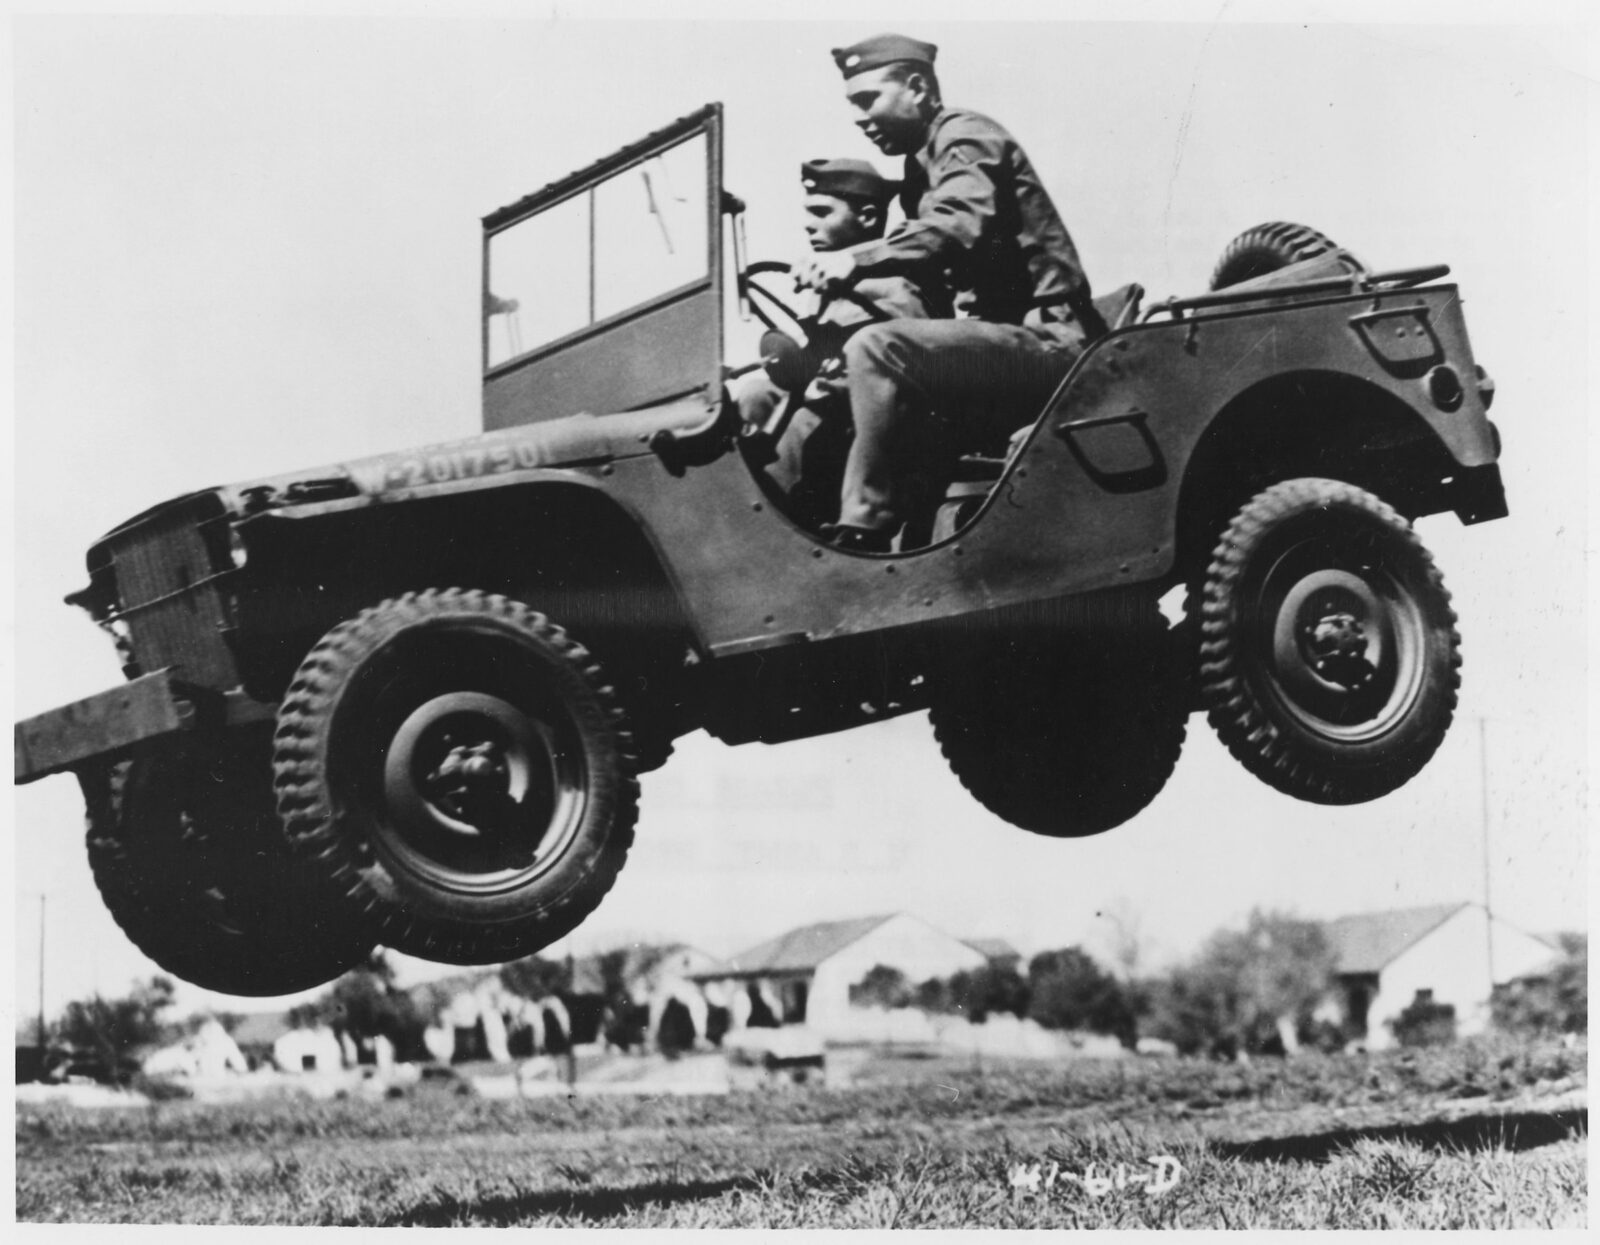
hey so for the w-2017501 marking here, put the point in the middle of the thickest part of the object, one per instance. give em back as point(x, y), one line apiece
point(461, 465)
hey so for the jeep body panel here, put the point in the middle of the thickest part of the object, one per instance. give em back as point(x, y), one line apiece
point(1092, 501)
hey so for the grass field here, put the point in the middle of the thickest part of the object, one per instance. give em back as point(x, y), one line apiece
point(1482, 1135)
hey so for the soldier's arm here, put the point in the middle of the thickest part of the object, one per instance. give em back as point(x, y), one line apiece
point(956, 209)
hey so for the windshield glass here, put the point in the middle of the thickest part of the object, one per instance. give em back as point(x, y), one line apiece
point(637, 235)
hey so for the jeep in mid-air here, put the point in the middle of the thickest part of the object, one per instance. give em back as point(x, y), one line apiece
point(405, 700)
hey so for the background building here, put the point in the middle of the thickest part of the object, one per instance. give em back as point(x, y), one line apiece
point(1385, 961)
point(809, 971)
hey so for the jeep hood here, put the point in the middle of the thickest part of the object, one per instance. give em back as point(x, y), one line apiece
point(577, 440)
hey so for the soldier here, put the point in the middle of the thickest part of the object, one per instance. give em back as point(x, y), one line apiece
point(975, 210)
point(846, 203)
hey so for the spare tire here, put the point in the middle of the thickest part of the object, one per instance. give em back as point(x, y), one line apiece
point(1267, 248)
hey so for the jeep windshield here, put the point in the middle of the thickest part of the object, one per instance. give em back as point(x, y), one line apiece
point(602, 291)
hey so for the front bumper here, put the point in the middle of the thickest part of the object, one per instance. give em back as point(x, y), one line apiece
point(108, 724)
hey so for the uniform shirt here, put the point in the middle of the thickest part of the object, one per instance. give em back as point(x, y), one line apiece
point(976, 209)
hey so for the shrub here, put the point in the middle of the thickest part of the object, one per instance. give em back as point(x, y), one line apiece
point(1553, 1002)
point(1232, 995)
point(977, 995)
point(1425, 1023)
point(1068, 990)
point(107, 1031)
point(882, 987)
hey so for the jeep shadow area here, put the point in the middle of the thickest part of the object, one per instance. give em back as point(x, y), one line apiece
point(405, 700)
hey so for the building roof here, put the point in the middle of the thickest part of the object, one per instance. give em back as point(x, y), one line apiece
point(1368, 942)
point(993, 948)
point(260, 1028)
point(800, 950)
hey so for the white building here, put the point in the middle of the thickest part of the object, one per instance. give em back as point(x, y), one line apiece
point(809, 971)
point(207, 1054)
point(308, 1050)
point(1385, 961)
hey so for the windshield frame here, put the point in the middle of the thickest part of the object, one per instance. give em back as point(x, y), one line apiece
point(706, 121)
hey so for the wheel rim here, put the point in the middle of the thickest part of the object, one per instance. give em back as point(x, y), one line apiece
point(1343, 640)
point(473, 768)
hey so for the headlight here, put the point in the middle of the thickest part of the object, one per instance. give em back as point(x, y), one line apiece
point(236, 549)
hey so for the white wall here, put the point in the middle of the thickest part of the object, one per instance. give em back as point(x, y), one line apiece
point(1452, 961)
point(289, 1052)
point(903, 942)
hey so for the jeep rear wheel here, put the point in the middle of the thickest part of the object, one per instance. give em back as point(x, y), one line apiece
point(461, 770)
point(188, 856)
point(1069, 730)
point(1329, 659)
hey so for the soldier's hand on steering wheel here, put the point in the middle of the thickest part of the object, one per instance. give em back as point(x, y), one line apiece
point(827, 272)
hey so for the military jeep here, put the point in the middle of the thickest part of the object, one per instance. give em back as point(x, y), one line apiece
point(405, 700)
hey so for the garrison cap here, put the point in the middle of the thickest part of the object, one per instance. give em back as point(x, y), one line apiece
point(882, 50)
point(849, 179)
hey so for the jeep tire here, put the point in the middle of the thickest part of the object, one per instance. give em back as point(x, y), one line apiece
point(1267, 248)
point(462, 773)
point(188, 856)
point(1074, 725)
point(1329, 657)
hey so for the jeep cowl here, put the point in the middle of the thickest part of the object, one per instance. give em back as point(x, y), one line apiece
point(406, 699)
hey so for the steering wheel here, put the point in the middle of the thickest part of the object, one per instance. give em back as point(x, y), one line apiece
point(790, 349)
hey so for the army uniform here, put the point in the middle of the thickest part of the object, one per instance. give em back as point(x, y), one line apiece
point(977, 212)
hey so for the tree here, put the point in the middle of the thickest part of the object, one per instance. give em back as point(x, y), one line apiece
point(1554, 1002)
point(1245, 987)
point(535, 978)
point(1068, 990)
point(987, 991)
point(110, 1031)
point(881, 987)
point(366, 1003)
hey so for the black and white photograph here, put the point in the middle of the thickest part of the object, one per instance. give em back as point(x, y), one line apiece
point(944, 615)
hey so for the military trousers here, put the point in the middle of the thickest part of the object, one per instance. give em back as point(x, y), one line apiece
point(958, 384)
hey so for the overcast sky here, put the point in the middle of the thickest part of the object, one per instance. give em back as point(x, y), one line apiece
point(248, 245)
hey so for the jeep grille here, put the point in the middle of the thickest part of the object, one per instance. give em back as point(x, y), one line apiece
point(166, 571)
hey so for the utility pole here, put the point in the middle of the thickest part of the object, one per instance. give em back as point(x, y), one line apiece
point(41, 975)
point(572, 1054)
point(1488, 911)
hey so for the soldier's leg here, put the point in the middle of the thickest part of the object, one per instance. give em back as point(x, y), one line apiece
point(981, 380)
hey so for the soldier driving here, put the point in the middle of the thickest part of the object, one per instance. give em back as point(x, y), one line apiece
point(846, 203)
point(977, 211)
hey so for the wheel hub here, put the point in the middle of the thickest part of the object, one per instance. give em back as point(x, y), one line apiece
point(471, 790)
point(1337, 657)
point(470, 775)
point(1335, 646)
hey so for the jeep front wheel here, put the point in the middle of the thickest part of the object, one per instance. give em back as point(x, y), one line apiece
point(462, 770)
point(1329, 658)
